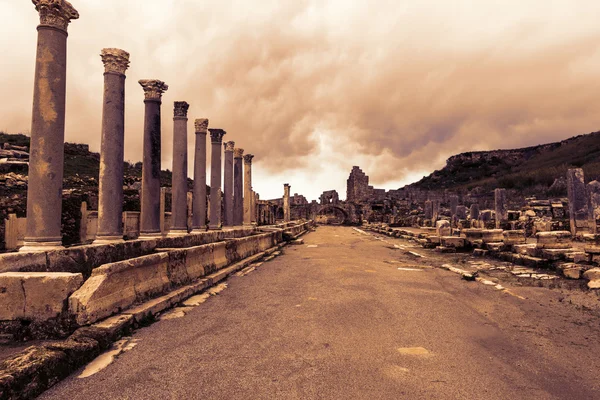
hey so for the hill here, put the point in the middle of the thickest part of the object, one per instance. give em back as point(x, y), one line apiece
point(532, 170)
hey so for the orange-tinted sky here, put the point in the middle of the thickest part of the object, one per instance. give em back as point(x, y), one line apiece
point(315, 87)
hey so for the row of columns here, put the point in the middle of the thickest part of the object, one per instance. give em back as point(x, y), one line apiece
point(44, 194)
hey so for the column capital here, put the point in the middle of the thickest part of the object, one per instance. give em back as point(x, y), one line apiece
point(153, 88)
point(55, 13)
point(115, 60)
point(248, 158)
point(201, 125)
point(180, 109)
point(216, 135)
point(238, 153)
point(229, 146)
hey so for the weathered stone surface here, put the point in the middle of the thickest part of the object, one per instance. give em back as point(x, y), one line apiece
point(492, 235)
point(22, 262)
point(443, 228)
point(553, 240)
point(35, 295)
point(593, 276)
point(117, 286)
point(514, 237)
point(452, 241)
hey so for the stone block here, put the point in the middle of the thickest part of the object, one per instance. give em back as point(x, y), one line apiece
point(37, 296)
point(579, 257)
point(452, 241)
point(480, 253)
point(555, 254)
point(23, 262)
point(593, 276)
point(495, 246)
point(443, 228)
point(513, 237)
point(571, 270)
point(522, 248)
point(492, 235)
point(117, 286)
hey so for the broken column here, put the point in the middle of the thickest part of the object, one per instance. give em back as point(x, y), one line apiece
point(474, 211)
point(44, 189)
point(179, 172)
point(453, 205)
point(500, 207)
point(199, 192)
point(286, 202)
point(238, 188)
point(228, 184)
point(428, 210)
point(110, 186)
point(150, 210)
point(435, 211)
point(593, 192)
point(578, 212)
point(247, 188)
point(216, 140)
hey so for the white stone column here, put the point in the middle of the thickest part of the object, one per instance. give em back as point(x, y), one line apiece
point(248, 189)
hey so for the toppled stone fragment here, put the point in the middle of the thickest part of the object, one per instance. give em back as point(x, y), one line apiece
point(35, 295)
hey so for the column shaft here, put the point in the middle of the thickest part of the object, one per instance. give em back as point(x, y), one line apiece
point(248, 189)
point(286, 203)
point(110, 190)
point(199, 194)
point(150, 213)
point(179, 177)
point(216, 136)
point(238, 188)
point(228, 184)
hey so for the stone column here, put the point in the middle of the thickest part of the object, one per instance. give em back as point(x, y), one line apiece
point(286, 202)
point(238, 188)
point(199, 194)
point(435, 211)
point(500, 206)
point(593, 192)
point(179, 176)
point(216, 140)
point(150, 215)
point(110, 190)
point(474, 211)
point(44, 189)
point(255, 208)
point(228, 184)
point(247, 188)
point(428, 210)
point(578, 212)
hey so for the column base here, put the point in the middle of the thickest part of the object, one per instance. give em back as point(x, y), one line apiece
point(109, 239)
point(214, 227)
point(149, 235)
point(177, 232)
point(36, 247)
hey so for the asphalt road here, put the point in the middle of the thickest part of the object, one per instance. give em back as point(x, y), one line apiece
point(341, 321)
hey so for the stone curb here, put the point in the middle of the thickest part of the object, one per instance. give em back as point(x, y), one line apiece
point(27, 374)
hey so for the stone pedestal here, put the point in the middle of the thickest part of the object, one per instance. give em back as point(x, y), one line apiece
point(199, 194)
point(248, 189)
point(238, 188)
point(500, 207)
point(228, 219)
point(216, 140)
point(286, 202)
point(110, 190)
point(150, 213)
point(578, 203)
point(180, 164)
point(44, 189)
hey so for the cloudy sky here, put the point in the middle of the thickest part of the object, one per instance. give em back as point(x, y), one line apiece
point(314, 87)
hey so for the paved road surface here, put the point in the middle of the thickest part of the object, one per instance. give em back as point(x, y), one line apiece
point(341, 321)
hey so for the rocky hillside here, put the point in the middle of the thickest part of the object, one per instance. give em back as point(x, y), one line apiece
point(532, 170)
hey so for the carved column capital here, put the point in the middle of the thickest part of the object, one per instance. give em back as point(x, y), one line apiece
point(55, 13)
point(201, 125)
point(229, 146)
point(180, 109)
point(238, 153)
point(216, 135)
point(248, 158)
point(153, 88)
point(115, 60)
